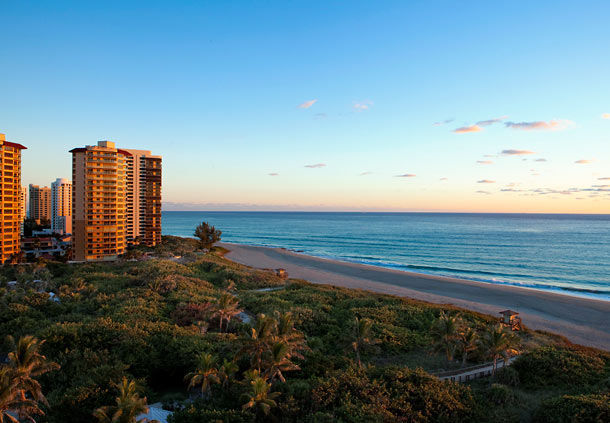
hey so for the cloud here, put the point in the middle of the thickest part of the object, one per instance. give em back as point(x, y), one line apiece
point(307, 104)
point(485, 162)
point(365, 173)
point(490, 155)
point(442, 122)
point(444, 179)
point(583, 161)
point(605, 178)
point(486, 181)
point(467, 129)
point(273, 174)
point(606, 116)
point(490, 121)
point(483, 192)
point(320, 116)
point(540, 160)
point(315, 166)
point(551, 125)
point(406, 175)
point(362, 106)
point(516, 152)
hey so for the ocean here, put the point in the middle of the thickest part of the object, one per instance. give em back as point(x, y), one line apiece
point(569, 254)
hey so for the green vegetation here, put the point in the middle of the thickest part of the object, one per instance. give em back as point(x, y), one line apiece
point(196, 332)
point(207, 235)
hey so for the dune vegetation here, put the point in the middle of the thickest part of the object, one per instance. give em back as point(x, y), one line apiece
point(216, 341)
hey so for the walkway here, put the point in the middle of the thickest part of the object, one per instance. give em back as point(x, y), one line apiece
point(474, 372)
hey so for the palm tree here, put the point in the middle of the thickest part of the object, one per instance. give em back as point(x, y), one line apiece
point(205, 374)
point(259, 341)
point(279, 361)
point(445, 333)
point(362, 333)
point(286, 333)
point(25, 364)
point(8, 396)
point(227, 308)
point(128, 406)
point(259, 396)
point(467, 342)
point(497, 343)
point(227, 372)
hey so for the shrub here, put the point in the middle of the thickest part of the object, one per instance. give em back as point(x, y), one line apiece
point(575, 409)
point(500, 394)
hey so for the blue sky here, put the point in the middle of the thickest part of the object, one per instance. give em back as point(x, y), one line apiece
point(215, 88)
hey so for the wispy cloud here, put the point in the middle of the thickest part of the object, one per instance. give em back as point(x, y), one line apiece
point(315, 166)
point(406, 175)
point(605, 178)
point(442, 122)
point(551, 125)
point(365, 173)
point(486, 181)
point(307, 104)
point(516, 152)
point(489, 122)
point(444, 179)
point(483, 192)
point(606, 116)
point(467, 129)
point(362, 105)
point(485, 162)
point(273, 174)
point(540, 160)
point(583, 161)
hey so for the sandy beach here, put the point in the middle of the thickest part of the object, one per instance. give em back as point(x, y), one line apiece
point(582, 320)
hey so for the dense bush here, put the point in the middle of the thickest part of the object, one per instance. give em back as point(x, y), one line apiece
point(593, 408)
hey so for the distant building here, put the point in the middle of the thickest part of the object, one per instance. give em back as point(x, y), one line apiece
point(143, 198)
point(10, 189)
point(61, 206)
point(40, 203)
point(98, 202)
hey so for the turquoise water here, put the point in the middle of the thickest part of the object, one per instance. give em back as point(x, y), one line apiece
point(565, 253)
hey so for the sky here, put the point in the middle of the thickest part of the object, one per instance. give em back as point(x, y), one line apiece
point(317, 105)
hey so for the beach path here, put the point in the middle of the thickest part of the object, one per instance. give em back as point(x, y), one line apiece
point(582, 320)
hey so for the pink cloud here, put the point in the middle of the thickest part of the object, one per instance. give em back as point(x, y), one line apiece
point(406, 175)
point(583, 161)
point(486, 181)
point(483, 192)
point(467, 129)
point(307, 104)
point(444, 179)
point(551, 125)
point(273, 174)
point(606, 178)
point(516, 152)
point(315, 166)
point(485, 162)
point(491, 121)
point(606, 116)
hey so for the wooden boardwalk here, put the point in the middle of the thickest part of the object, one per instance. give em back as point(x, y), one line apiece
point(474, 372)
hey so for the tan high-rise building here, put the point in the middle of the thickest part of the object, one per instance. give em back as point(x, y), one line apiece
point(10, 193)
point(98, 201)
point(61, 206)
point(40, 203)
point(23, 201)
point(143, 200)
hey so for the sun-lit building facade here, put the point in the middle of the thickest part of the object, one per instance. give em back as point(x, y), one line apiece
point(40, 203)
point(61, 206)
point(10, 198)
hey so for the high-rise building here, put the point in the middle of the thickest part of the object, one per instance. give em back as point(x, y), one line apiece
point(23, 201)
point(10, 193)
point(98, 201)
point(40, 203)
point(61, 206)
point(143, 198)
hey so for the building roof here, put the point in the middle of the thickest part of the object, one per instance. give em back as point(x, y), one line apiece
point(78, 150)
point(14, 144)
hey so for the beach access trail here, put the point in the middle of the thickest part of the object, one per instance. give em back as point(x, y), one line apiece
point(582, 320)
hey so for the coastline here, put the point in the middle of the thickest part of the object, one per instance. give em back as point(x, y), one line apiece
point(582, 320)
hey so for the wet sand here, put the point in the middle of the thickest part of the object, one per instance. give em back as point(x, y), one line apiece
point(582, 320)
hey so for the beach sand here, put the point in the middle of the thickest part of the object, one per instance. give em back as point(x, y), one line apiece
point(582, 320)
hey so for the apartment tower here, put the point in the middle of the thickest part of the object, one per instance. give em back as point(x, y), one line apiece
point(61, 206)
point(10, 193)
point(23, 201)
point(40, 203)
point(143, 201)
point(98, 201)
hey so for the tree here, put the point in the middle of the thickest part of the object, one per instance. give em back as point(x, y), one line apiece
point(205, 374)
point(8, 396)
point(362, 336)
point(129, 405)
point(227, 372)
point(227, 308)
point(445, 334)
point(208, 235)
point(497, 343)
point(259, 341)
point(279, 361)
point(25, 363)
point(467, 342)
point(259, 398)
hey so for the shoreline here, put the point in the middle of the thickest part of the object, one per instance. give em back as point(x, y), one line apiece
point(581, 319)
